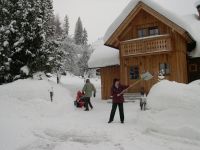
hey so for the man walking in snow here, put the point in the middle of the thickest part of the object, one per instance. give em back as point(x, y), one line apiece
point(88, 89)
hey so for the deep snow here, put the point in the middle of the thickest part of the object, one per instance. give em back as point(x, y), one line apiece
point(29, 121)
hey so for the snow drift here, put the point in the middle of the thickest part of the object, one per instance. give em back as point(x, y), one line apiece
point(174, 110)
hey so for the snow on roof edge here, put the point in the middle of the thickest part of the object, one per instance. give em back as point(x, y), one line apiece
point(104, 56)
point(163, 11)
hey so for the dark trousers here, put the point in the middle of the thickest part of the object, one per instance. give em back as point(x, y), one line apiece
point(87, 102)
point(143, 105)
point(121, 111)
point(51, 96)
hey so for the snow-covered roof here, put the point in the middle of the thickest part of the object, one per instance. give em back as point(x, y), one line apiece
point(103, 56)
point(181, 12)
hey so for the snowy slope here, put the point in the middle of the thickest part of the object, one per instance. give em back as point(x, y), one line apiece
point(170, 10)
point(29, 121)
point(25, 106)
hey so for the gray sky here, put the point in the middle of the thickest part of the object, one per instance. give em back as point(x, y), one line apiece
point(96, 15)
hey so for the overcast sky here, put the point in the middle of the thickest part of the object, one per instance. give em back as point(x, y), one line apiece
point(96, 15)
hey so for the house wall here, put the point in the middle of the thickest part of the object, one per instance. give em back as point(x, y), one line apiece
point(194, 69)
point(143, 20)
point(176, 58)
point(107, 76)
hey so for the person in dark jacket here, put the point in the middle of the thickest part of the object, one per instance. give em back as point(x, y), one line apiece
point(117, 100)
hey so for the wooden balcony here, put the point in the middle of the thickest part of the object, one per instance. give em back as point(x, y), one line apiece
point(146, 46)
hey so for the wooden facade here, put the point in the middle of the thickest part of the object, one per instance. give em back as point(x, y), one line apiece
point(107, 76)
point(194, 69)
point(148, 41)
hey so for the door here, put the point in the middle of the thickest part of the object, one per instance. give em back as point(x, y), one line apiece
point(133, 75)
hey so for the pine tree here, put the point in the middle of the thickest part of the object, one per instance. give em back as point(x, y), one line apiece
point(26, 30)
point(58, 29)
point(78, 34)
point(70, 56)
point(46, 11)
point(85, 36)
point(21, 35)
point(4, 44)
point(41, 61)
point(83, 61)
point(66, 26)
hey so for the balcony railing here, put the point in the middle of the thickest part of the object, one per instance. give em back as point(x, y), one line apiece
point(146, 45)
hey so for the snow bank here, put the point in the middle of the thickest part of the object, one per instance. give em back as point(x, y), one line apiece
point(25, 70)
point(174, 110)
point(168, 95)
point(104, 56)
point(25, 106)
point(169, 10)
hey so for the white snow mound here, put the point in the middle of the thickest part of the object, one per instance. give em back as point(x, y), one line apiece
point(174, 110)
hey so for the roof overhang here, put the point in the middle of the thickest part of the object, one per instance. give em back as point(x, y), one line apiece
point(113, 40)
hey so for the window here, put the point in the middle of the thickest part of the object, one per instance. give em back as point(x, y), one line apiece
point(165, 69)
point(143, 32)
point(193, 68)
point(134, 72)
point(98, 72)
point(153, 31)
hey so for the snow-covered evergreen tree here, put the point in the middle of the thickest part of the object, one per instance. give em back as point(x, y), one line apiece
point(85, 37)
point(78, 34)
point(58, 29)
point(83, 61)
point(70, 56)
point(47, 17)
point(66, 26)
point(25, 29)
point(4, 44)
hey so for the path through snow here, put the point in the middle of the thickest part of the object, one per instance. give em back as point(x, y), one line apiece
point(29, 121)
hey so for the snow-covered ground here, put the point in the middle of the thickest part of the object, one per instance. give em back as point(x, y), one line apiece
point(30, 121)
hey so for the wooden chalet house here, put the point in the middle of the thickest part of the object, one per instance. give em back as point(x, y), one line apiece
point(151, 38)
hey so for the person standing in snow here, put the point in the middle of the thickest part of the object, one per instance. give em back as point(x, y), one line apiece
point(143, 99)
point(58, 77)
point(87, 90)
point(117, 100)
point(51, 94)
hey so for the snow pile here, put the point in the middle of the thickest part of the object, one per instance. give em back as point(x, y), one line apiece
point(104, 56)
point(174, 110)
point(25, 70)
point(5, 43)
point(25, 106)
point(169, 10)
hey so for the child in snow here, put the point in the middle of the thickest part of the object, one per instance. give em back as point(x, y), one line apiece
point(143, 99)
point(79, 102)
